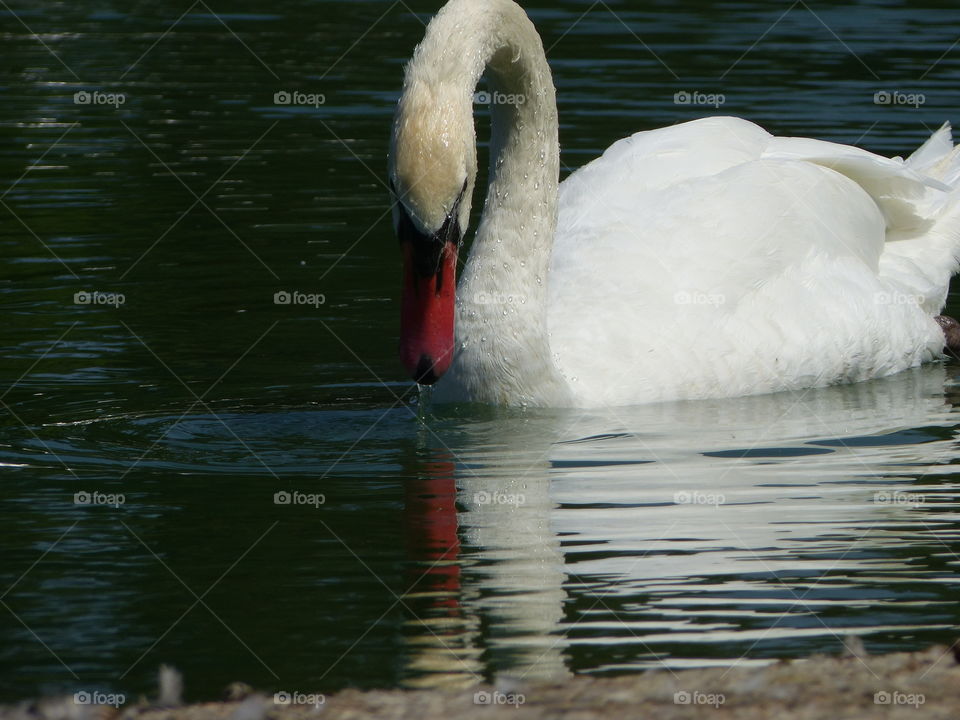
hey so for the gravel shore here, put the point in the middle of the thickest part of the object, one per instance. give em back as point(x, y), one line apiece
point(899, 685)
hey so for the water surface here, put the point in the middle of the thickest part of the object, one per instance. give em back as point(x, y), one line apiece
point(452, 543)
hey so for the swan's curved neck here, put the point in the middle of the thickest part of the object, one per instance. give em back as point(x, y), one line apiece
point(503, 351)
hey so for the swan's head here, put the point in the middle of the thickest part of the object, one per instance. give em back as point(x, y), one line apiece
point(432, 169)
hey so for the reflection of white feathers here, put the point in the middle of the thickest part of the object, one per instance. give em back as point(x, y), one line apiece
point(514, 575)
point(690, 511)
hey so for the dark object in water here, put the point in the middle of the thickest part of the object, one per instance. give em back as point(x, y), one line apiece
point(951, 335)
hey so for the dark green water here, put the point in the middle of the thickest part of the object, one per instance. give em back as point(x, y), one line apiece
point(690, 534)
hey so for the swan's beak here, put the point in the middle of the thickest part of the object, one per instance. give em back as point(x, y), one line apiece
point(427, 310)
point(429, 292)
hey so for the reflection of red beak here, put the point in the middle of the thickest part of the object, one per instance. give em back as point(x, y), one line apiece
point(426, 315)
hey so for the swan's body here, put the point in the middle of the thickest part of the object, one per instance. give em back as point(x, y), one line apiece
point(702, 260)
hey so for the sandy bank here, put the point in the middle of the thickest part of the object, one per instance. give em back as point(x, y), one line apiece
point(900, 685)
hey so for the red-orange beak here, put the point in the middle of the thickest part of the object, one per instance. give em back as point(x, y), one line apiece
point(426, 315)
point(429, 294)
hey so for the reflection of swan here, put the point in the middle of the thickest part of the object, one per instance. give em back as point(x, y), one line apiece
point(706, 259)
point(618, 555)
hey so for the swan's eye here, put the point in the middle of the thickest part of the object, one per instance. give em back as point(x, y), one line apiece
point(427, 248)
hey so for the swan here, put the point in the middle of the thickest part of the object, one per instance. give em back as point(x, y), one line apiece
point(708, 259)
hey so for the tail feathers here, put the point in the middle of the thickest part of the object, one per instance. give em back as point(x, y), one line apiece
point(922, 259)
point(938, 158)
point(933, 150)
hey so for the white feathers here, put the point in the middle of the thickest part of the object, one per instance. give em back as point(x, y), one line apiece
point(711, 259)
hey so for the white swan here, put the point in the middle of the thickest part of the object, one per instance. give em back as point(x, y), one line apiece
point(707, 259)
